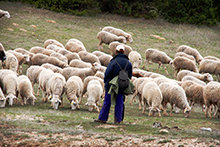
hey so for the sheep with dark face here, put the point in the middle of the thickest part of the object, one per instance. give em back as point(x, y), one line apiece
point(4, 13)
point(2, 53)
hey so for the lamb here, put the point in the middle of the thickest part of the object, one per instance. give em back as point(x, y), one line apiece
point(2, 99)
point(2, 53)
point(105, 59)
point(88, 57)
point(11, 62)
point(206, 77)
point(112, 48)
point(191, 51)
point(194, 92)
point(118, 32)
point(52, 41)
point(210, 66)
point(152, 95)
point(69, 55)
point(25, 89)
point(44, 77)
point(79, 64)
point(94, 91)
point(60, 57)
point(135, 58)
point(157, 56)
point(73, 90)
point(183, 63)
point(8, 83)
point(40, 59)
point(74, 45)
point(55, 87)
point(194, 79)
point(81, 72)
point(52, 67)
point(211, 95)
point(182, 54)
point(175, 95)
point(4, 13)
point(107, 38)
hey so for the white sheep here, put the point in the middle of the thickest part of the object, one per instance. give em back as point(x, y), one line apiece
point(60, 57)
point(183, 63)
point(52, 67)
point(212, 58)
point(79, 63)
point(175, 95)
point(107, 38)
point(112, 48)
point(105, 59)
point(191, 51)
point(69, 55)
point(4, 13)
point(81, 72)
point(182, 54)
point(2, 99)
point(210, 66)
point(88, 57)
point(206, 77)
point(24, 52)
point(11, 62)
point(55, 88)
point(194, 79)
point(25, 89)
point(98, 53)
point(74, 45)
point(8, 82)
point(135, 58)
point(100, 74)
point(94, 92)
point(73, 90)
point(157, 56)
point(54, 47)
point(118, 32)
point(152, 95)
point(211, 95)
point(36, 49)
point(52, 41)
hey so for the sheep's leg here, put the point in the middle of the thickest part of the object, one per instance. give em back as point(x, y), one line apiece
point(144, 105)
point(209, 112)
point(100, 46)
point(158, 67)
point(133, 97)
point(38, 91)
point(140, 102)
point(171, 111)
point(165, 69)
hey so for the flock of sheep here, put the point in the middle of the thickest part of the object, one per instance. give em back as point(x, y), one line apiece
point(71, 69)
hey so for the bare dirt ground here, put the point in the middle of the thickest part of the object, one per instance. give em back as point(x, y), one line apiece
point(18, 137)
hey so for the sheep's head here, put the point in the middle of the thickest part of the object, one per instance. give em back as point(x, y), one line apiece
point(7, 14)
point(187, 111)
point(27, 59)
point(122, 39)
point(92, 105)
point(171, 62)
point(96, 65)
point(74, 104)
point(56, 102)
point(11, 98)
point(129, 38)
point(208, 77)
point(153, 111)
point(2, 102)
point(32, 99)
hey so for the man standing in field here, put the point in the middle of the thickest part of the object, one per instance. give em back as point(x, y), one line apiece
point(119, 62)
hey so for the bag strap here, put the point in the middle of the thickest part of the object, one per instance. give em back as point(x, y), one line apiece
point(120, 65)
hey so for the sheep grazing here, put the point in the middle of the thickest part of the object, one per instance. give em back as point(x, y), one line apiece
point(211, 95)
point(88, 57)
point(105, 59)
point(44, 77)
point(73, 90)
point(36, 49)
point(160, 80)
point(60, 57)
point(212, 58)
point(8, 83)
point(11, 62)
point(100, 74)
point(40, 59)
point(74, 45)
point(4, 13)
point(81, 72)
point(135, 58)
point(194, 79)
point(98, 53)
point(52, 67)
point(69, 55)
point(54, 47)
point(24, 52)
point(94, 92)
point(194, 92)
point(52, 41)
point(183, 63)
point(157, 56)
point(118, 32)
point(107, 38)
point(2, 53)
point(55, 87)
point(79, 64)
point(206, 77)
point(112, 48)
point(152, 95)
point(2, 99)
point(210, 66)
point(175, 95)
point(191, 51)
point(25, 89)
point(182, 54)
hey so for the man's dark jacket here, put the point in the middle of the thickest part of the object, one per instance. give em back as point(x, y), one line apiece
point(113, 68)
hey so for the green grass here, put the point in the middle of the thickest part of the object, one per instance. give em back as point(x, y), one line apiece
point(45, 119)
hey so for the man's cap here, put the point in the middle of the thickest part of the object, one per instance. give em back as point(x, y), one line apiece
point(120, 48)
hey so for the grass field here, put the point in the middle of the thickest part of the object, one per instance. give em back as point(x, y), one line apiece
point(29, 27)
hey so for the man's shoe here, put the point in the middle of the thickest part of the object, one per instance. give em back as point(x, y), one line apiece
point(99, 121)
